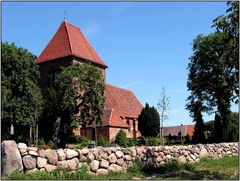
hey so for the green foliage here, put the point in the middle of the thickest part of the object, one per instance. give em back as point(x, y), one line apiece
point(131, 142)
point(152, 141)
point(135, 168)
point(51, 144)
point(149, 122)
point(102, 141)
point(78, 89)
point(41, 142)
point(77, 139)
point(198, 134)
point(233, 133)
point(121, 138)
point(21, 98)
point(214, 69)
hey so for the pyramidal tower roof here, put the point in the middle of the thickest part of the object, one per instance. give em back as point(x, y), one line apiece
point(69, 41)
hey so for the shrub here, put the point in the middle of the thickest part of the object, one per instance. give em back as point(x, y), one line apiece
point(121, 138)
point(41, 142)
point(102, 141)
point(149, 121)
point(51, 144)
point(152, 141)
point(77, 139)
point(131, 142)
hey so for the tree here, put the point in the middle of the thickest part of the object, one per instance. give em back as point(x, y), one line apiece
point(78, 99)
point(229, 25)
point(218, 131)
point(210, 79)
point(21, 96)
point(214, 70)
point(121, 138)
point(163, 106)
point(149, 122)
point(198, 134)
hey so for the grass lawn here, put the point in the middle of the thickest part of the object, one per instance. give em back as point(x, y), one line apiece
point(225, 168)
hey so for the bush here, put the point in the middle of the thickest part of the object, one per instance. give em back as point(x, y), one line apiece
point(51, 144)
point(149, 122)
point(121, 138)
point(41, 142)
point(152, 141)
point(102, 141)
point(77, 139)
point(131, 142)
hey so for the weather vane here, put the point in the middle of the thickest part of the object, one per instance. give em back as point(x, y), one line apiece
point(65, 14)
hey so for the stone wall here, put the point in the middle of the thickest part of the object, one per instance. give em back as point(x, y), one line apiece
point(101, 160)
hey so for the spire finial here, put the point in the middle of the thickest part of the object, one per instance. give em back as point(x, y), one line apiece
point(65, 14)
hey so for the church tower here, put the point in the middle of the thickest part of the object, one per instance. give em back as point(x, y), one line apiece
point(68, 46)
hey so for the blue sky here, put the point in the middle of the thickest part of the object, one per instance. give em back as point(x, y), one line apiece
point(146, 45)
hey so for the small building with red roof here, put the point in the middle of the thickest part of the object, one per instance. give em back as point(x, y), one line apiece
point(182, 130)
point(69, 46)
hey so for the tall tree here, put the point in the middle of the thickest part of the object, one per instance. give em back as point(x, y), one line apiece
point(214, 69)
point(149, 122)
point(210, 78)
point(21, 97)
point(163, 106)
point(78, 96)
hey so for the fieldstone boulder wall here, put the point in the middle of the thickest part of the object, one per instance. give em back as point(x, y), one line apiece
point(101, 160)
point(11, 158)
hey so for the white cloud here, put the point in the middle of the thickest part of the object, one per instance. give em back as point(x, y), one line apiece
point(131, 84)
point(92, 29)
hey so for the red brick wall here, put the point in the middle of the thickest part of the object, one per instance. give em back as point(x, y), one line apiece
point(46, 67)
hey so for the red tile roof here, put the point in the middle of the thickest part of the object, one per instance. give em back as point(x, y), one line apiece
point(174, 130)
point(123, 101)
point(69, 40)
point(190, 129)
point(119, 103)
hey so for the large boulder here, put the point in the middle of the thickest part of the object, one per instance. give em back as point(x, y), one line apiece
point(52, 157)
point(102, 171)
point(62, 164)
point(94, 165)
point(71, 153)
point(61, 154)
point(112, 158)
point(29, 162)
point(22, 148)
point(114, 167)
point(73, 164)
point(119, 154)
point(104, 163)
point(41, 162)
point(11, 158)
point(50, 168)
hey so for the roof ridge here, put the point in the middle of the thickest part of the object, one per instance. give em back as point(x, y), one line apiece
point(88, 43)
point(68, 35)
point(50, 41)
point(71, 24)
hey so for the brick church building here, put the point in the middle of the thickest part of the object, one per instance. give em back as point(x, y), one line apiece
point(69, 46)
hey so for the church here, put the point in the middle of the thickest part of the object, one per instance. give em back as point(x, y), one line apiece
point(122, 108)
